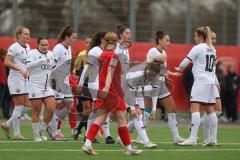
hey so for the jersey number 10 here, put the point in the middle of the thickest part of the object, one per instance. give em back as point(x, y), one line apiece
point(209, 62)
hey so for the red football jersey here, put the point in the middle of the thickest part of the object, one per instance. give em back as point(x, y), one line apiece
point(115, 97)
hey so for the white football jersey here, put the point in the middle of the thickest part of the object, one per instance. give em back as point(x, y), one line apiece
point(204, 61)
point(135, 77)
point(155, 53)
point(63, 60)
point(123, 55)
point(40, 69)
point(93, 59)
point(19, 54)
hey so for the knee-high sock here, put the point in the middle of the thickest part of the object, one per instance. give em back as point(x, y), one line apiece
point(105, 127)
point(138, 123)
point(213, 124)
point(172, 123)
point(91, 119)
point(124, 135)
point(195, 125)
point(36, 129)
point(16, 119)
point(72, 117)
point(131, 126)
point(146, 117)
point(92, 132)
point(54, 123)
point(206, 127)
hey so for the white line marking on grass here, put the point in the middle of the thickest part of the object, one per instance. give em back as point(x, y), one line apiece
point(158, 142)
point(117, 150)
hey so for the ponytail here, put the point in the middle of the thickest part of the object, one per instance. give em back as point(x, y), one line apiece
point(205, 32)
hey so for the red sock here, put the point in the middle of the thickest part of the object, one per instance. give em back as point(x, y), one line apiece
point(59, 124)
point(124, 135)
point(92, 132)
point(72, 116)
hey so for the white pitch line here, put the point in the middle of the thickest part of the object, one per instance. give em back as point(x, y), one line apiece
point(118, 150)
point(158, 142)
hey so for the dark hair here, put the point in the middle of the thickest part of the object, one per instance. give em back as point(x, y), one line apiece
point(3, 52)
point(66, 31)
point(121, 29)
point(159, 35)
point(41, 38)
point(96, 39)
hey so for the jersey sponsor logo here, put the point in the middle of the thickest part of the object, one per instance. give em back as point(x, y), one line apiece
point(68, 62)
point(46, 67)
point(24, 61)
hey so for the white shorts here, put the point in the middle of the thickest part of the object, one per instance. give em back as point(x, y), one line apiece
point(17, 85)
point(93, 89)
point(204, 93)
point(217, 94)
point(140, 103)
point(35, 93)
point(160, 91)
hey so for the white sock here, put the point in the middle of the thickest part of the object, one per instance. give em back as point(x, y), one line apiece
point(206, 128)
point(88, 143)
point(16, 115)
point(61, 114)
point(129, 147)
point(146, 118)
point(141, 129)
point(202, 118)
point(195, 125)
point(25, 110)
point(91, 119)
point(9, 121)
point(106, 128)
point(53, 123)
point(43, 126)
point(218, 113)
point(36, 128)
point(213, 124)
point(131, 126)
point(154, 102)
point(172, 123)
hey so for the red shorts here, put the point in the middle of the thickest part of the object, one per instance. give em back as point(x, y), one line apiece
point(111, 103)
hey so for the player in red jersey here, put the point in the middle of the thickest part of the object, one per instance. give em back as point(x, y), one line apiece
point(110, 97)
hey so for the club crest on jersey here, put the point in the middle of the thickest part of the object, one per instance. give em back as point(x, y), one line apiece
point(33, 95)
point(18, 90)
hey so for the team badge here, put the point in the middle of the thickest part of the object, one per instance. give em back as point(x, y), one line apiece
point(18, 90)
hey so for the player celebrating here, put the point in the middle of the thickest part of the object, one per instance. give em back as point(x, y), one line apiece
point(203, 57)
point(166, 100)
point(63, 57)
point(110, 97)
point(16, 61)
point(40, 63)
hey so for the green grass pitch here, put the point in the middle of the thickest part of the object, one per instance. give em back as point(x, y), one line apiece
point(228, 137)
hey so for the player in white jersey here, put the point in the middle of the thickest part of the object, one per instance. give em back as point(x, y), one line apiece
point(203, 57)
point(124, 42)
point(166, 100)
point(16, 61)
point(217, 106)
point(63, 59)
point(91, 70)
point(40, 63)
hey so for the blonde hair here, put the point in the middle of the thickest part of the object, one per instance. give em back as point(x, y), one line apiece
point(19, 31)
point(205, 32)
point(110, 38)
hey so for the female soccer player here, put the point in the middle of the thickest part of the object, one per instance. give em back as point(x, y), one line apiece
point(40, 63)
point(16, 61)
point(84, 99)
point(110, 97)
point(203, 57)
point(166, 100)
point(63, 58)
point(91, 70)
point(124, 39)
